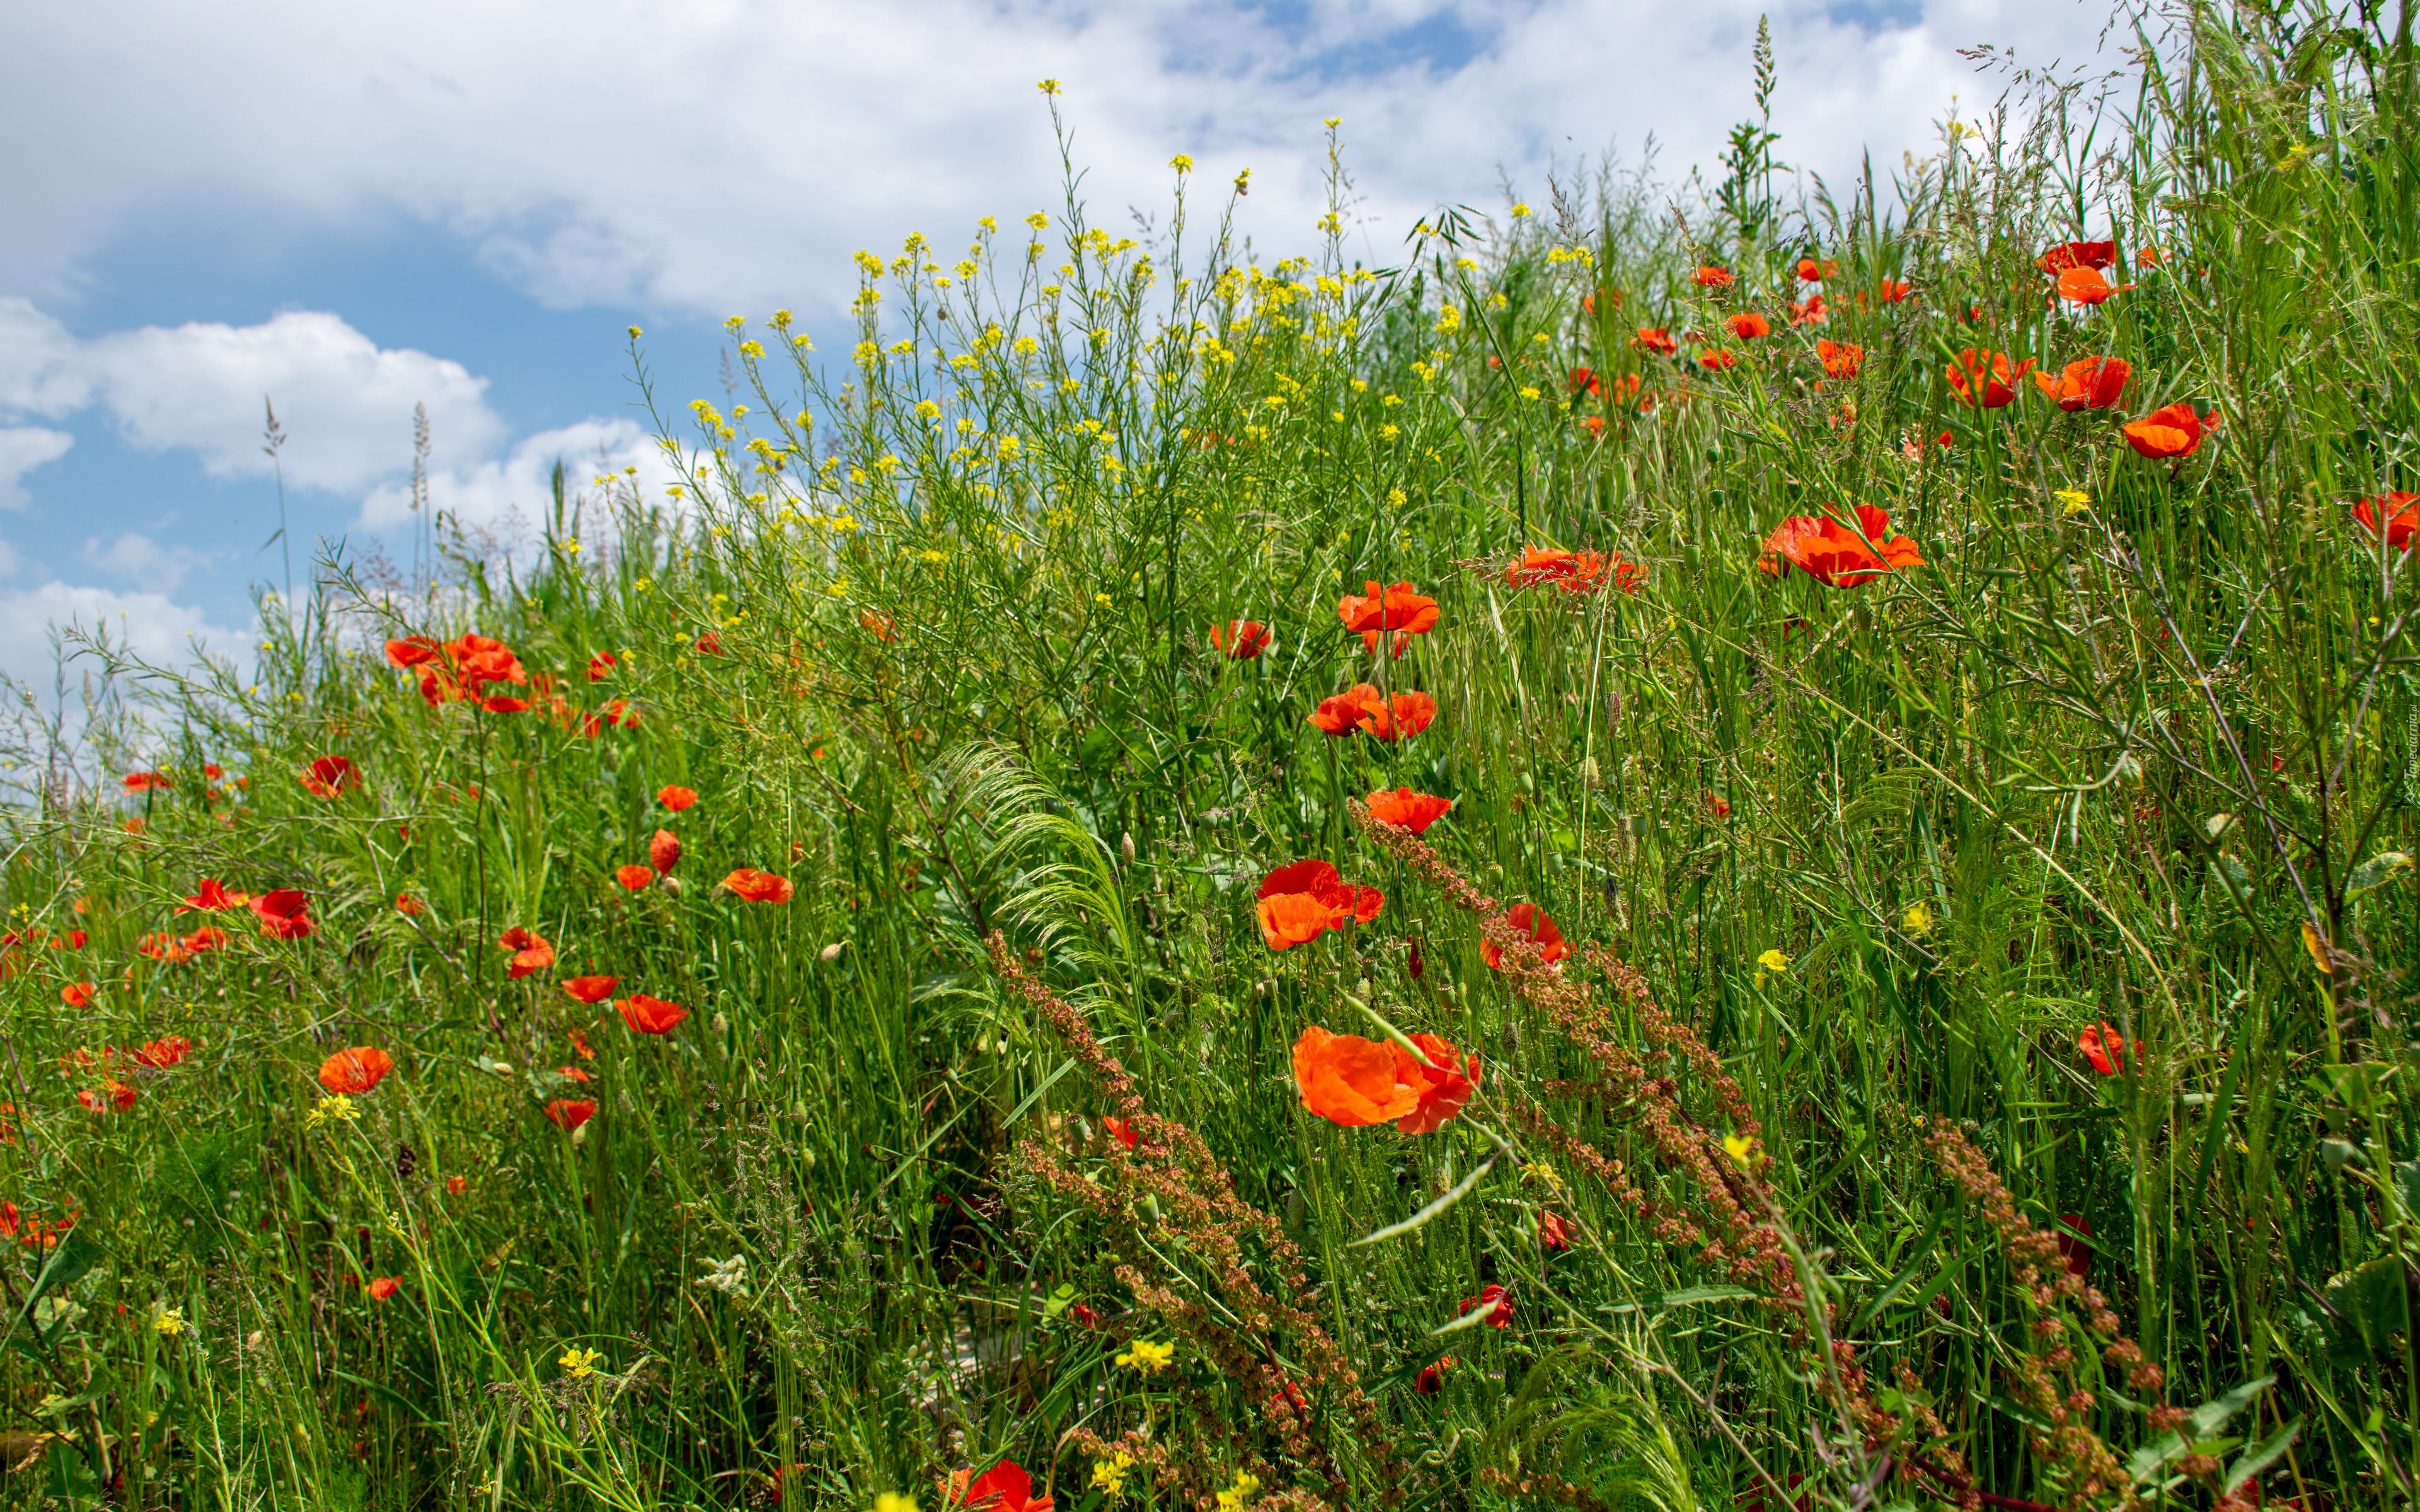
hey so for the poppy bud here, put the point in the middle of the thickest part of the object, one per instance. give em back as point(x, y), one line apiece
point(722, 1024)
point(831, 953)
point(665, 851)
point(1126, 847)
point(1414, 961)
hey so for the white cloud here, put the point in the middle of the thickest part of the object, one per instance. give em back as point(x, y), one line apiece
point(725, 156)
point(517, 491)
point(147, 623)
point(139, 558)
point(24, 448)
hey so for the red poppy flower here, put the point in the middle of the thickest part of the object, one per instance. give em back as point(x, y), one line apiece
point(1529, 921)
point(1827, 551)
point(759, 886)
point(1298, 901)
point(162, 1054)
point(1406, 715)
point(1553, 1233)
point(1811, 312)
point(620, 712)
point(211, 897)
point(570, 1113)
point(1408, 810)
point(1716, 359)
point(676, 799)
point(1398, 607)
point(710, 644)
point(2085, 286)
point(1715, 805)
point(145, 782)
point(211, 937)
point(2401, 511)
point(1894, 291)
point(2147, 257)
point(531, 952)
point(2075, 1253)
point(110, 1097)
point(411, 650)
point(579, 1043)
point(665, 851)
point(590, 990)
point(650, 1015)
point(1432, 1377)
point(1004, 1488)
point(465, 666)
point(2106, 1048)
point(1122, 1130)
point(1750, 326)
point(882, 627)
point(1241, 639)
point(382, 1287)
point(1348, 1080)
point(1656, 339)
point(1841, 359)
point(634, 877)
point(1713, 276)
point(284, 914)
point(1342, 714)
point(1499, 1309)
point(1584, 380)
point(457, 1185)
point(355, 1070)
point(76, 938)
point(77, 994)
point(1982, 378)
point(602, 665)
point(329, 776)
point(2087, 383)
point(2069, 255)
point(1812, 272)
point(2172, 431)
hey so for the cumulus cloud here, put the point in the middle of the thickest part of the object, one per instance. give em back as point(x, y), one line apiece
point(139, 559)
point(150, 625)
point(515, 494)
point(24, 448)
point(724, 156)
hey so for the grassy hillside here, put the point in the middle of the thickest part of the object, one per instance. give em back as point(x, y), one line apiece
point(1910, 1002)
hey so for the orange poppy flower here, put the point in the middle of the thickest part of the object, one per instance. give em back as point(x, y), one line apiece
point(355, 1070)
point(1895, 291)
point(2106, 1048)
point(110, 1097)
point(1982, 378)
point(1750, 326)
point(634, 877)
point(590, 990)
point(382, 1287)
point(159, 1055)
point(147, 781)
point(410, 906)
point(211, 937)
point(1811, 312)
point(1292, 918)
point(1491, 1297)
point(329, 776)
point(1573, 572)
point(663, 851)
point(411, 650)
point(1812, 272)
point(211, 897)
point(759, 886)
point(1407, 809)
point(1553, 1232)
point(2401, 511)
point(1342, 714)
point(1004, 1488)
point(77, 994)
point(1123, 1131)
point(2069, 255)
point(1398, 607)
point(463, 668)
point(2087, 383)
point(1530, 922)
point(1657, 339)
point(1298, 901)
point(1716, 359)
point(284, 914)
point(1355, 1082)
point(1241, 639)
point(1713, 276)
point(570, 1113)
point(1584, 380)
point(457, 1185)
point(2086, 286)
point(602, 665)
point(1827, 551)
point(676, 799)
point(1432, 1377)
point(531, 952)
point(1406, 715)
point(1841, 359)
point(650, 1015)
point(882, 627)
point(2172, 431)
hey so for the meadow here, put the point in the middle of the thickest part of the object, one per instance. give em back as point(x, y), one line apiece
point(1702, 845)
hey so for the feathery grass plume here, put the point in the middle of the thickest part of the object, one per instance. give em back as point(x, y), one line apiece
point(1171, 1184)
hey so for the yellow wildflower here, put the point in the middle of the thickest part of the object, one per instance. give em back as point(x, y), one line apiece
point(1148, 1357)
point(580, 1364)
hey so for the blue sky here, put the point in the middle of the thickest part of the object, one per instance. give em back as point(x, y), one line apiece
point(450, 202)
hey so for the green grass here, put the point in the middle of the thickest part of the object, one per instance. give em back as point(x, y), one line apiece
point(856, 1215)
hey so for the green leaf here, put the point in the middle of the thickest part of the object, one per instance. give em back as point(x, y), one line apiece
point(2380, 870)
point(1460, 1190)
point(2264, 1454)
point(2374, 1300)
point(2153, 1457)
point(1689, 1294)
